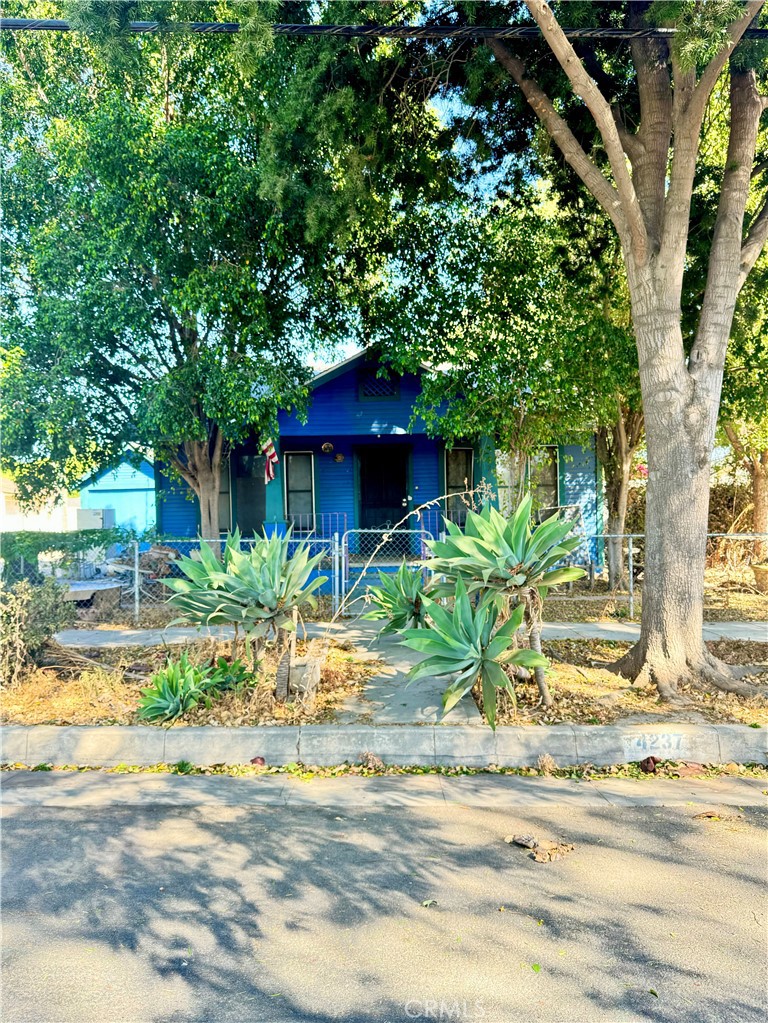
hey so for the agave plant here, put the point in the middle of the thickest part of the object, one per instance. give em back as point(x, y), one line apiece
point(509, 559)
point(466, 643)
point(400, 600)
point(504, 555)
point(175, 689)
point(256, 590)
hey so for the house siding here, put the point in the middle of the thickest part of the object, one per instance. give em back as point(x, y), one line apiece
point(338, 411)
point(178, 516)
point(579, 479)
point(127, 489)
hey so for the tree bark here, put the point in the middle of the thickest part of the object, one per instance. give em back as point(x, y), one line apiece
point(200, 467)
point(679, 431)
point(760, 504)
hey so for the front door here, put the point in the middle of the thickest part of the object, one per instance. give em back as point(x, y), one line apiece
point(383, 494)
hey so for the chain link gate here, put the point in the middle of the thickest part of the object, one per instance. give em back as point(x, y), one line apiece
point(360, 554)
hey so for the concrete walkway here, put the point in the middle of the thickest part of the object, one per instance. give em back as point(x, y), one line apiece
point(620, 631)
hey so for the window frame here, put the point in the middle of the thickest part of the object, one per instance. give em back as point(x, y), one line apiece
point(446, 452)
point(285, 455)
point(556, 449)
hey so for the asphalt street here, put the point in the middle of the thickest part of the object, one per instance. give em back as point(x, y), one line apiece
point(227, 913)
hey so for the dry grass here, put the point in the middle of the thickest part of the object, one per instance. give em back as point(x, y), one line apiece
point(585, 692)
point(107, 691)
point(721, 604)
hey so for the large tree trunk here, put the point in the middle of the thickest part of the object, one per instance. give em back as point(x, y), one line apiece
point(200, 467)
point(760, 504)
point(680, 419)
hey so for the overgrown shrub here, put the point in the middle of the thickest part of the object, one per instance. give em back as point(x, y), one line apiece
point(29, 616)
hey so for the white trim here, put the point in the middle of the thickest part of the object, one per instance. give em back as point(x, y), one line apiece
point(284, 456)
point(349, 362)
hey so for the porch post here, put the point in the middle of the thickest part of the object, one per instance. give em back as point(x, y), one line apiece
point(485, 466)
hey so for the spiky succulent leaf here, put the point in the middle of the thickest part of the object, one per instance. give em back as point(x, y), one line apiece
point(256, 589)
point(504, 555)
point(399, 599)
point(465, 643)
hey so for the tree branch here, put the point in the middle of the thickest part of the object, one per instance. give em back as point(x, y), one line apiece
point(586, 88)
point(569, 145)
point(734, 440)
point(690, 102)
point(724, 269)
point(714, 69)
point(754, 243)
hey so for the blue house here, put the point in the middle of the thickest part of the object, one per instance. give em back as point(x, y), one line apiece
point(357, 464)
point(126, 489)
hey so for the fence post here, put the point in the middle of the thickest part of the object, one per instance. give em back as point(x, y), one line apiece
point(136, 583)
point(630, 556)
point(336, 586)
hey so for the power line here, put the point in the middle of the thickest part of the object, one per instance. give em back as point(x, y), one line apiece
point(433, 32)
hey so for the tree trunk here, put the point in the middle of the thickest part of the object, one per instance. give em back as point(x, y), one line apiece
point(679, 430)
point(760, 504)
point(208, 487)
point(201, 469)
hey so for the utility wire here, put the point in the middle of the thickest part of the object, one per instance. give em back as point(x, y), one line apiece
point(434, 32)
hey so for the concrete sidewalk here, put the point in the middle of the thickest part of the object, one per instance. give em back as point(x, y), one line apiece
point(492, 791)
point(356, 629)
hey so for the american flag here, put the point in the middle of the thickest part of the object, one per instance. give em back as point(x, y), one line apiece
point(268, 449)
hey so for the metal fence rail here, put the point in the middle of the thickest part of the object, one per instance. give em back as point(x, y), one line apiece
point(125, 582)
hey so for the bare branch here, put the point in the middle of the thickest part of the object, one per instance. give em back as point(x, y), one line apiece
point(586, 88)
point(733, 439)
point(724, 270)
point(600, 187)
point(714, 69)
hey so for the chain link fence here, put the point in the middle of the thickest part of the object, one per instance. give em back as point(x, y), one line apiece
point(124, 583)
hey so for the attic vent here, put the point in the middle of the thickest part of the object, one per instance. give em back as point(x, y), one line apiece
point(373, 388)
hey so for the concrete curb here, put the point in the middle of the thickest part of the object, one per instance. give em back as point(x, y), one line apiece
point(326, 745)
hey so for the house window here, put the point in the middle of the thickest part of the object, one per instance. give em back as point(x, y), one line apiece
point(371, 387)
point(458, 479)
point(299, 488)
point(225, 502)
point(543, 476)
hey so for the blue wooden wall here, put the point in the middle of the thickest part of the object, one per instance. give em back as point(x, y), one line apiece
point(337, 410)
point(178, 513)
point(581, 484)
point(128, 489)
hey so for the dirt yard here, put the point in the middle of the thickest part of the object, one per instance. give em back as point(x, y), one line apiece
point(103, 687)
point(586, 693)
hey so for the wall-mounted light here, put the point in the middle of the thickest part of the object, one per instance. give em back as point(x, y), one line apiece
point(327, 448)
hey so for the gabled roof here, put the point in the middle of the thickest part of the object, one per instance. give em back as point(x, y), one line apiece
point(337, 370)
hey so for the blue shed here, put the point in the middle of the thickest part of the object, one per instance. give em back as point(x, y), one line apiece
point(126, 488)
